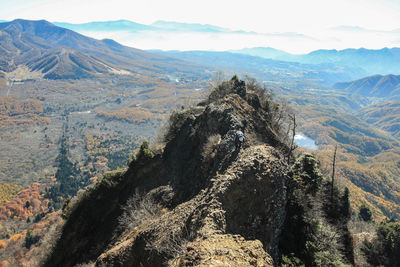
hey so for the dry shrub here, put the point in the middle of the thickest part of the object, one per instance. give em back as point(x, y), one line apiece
point(140, 211)
point(221, 90)
point(160, 136)
point(278, 111)
point(175, 122)
point(171, 243)
point(217, 79)
point(262, 92)
point(210, 147)
point(137, 211)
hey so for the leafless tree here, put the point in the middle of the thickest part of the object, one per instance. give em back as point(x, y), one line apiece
point(333, 171)
point(292, 146)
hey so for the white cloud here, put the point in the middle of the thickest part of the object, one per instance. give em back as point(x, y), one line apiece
point(293, 43)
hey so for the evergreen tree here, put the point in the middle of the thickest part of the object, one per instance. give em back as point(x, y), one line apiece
point(306, 172)
point(365, 213)
point(31, 239)
point(345, 204)
point(315, 228)
point(384, 250)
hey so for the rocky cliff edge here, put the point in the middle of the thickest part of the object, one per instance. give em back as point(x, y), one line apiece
point(194, 201)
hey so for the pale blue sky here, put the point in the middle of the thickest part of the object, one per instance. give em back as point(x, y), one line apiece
point(257, 15)
point(313, 18)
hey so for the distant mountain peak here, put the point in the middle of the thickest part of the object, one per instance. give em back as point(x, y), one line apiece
point(39, 28)
point(264, 52)
point(25, 24)
point(183, 26)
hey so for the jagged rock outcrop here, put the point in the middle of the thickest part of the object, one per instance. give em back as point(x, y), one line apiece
point(224, 250)
point(217, 206)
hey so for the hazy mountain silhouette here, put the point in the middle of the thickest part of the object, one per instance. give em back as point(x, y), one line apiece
point(158, 26)
point(265, 52)
point(376, 86)
point(118, 25)
point(382, 61)
point(326, 74)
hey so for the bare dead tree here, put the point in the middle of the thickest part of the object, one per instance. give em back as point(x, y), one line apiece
point(333, 171)
point(281, 113)
point(292, 146)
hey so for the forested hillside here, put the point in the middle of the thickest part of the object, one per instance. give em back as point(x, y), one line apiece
point(373, 86)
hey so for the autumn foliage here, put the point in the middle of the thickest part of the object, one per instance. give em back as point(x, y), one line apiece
point(7, 191)
point(24, 220)
point(14, 112)
point(26, 203)
point(134, 114)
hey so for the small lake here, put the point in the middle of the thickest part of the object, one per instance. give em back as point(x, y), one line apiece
point(301, 140)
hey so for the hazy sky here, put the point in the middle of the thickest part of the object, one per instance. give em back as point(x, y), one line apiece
point(316, 19)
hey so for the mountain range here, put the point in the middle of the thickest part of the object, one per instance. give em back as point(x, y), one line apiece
point(267, 52)
point(61, 53)
point(380, 61)
point(119, 25)
point(126, 25)
point(54, 52)
point(273, 70)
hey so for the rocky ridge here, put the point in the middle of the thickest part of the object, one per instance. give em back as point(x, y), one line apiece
point(215, 205)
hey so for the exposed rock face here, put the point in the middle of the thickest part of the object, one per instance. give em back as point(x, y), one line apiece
point(224, 250)
point(222, 207)
point(247, 199)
